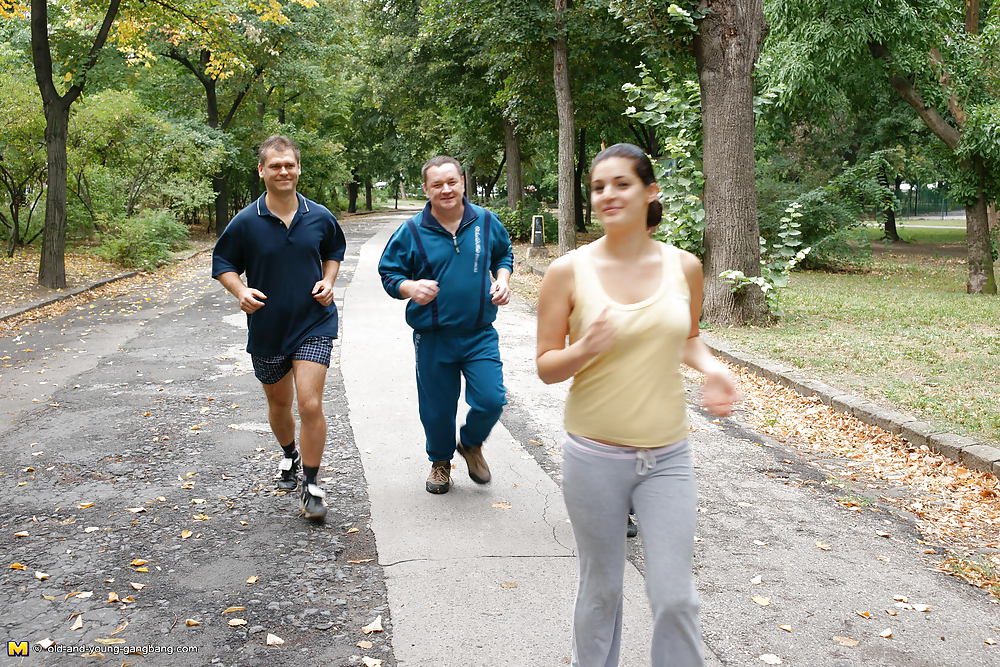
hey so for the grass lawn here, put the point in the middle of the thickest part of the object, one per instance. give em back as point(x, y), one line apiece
point(903, 333)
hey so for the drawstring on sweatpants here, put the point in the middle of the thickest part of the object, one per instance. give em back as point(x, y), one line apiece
point(644, 462)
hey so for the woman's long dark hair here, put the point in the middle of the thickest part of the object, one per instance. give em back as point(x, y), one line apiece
point(643, 169)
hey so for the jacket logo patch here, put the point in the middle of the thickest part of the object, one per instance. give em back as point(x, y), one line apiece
point(479, 248)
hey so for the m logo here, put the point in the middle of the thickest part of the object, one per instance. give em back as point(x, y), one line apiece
point(17, 649)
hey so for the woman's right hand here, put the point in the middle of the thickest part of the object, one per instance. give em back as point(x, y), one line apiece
point(600, 335)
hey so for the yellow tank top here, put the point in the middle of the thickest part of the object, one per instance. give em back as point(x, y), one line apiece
point(632, 394)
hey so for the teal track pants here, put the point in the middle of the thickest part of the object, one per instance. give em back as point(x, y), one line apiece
point(443, 359)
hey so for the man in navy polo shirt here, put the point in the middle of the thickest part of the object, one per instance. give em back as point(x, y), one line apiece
point(290, 249)
point(453, 261)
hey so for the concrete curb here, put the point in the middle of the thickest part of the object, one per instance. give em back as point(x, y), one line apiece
point(973, 454)
point(83, 288)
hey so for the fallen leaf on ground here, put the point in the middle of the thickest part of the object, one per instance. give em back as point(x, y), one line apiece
point(900, 598)
point(989, 641)
point(78, 623)
point(502, 505)
point(353, 530)
point(137, 562)
point(770, 659)
point(191, 623)
point(757, 580)
point(374, 626)
point(845, 641)
point(84, 506)
point(79, 594)
point(120, 628)
point(109, 640)
point(113, 597)
point(237, 621)
point(371, 662)
point(823, 546)
point(356, 561)
point(922, 607)
point(864, 614)
point(197, 501)
point(786, 628)
point(46, 643)
point(364, 643)
point(135, 586)
point(761, 600)
point(230, 610)
point(21, 533)
point(136, 510)
point(91, 529)
point(18, 566)
point(274, 640)
point(41, 576)
point(508, 584)
point(886, 634)
point(252, 580)
point(142, 569)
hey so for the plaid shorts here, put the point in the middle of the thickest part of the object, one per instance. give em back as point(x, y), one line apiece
point(271, 369)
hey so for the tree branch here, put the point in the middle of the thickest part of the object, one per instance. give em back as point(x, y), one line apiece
point(239, 98)
point(906, 90)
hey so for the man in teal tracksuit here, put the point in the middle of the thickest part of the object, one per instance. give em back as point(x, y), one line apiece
point(453, 261)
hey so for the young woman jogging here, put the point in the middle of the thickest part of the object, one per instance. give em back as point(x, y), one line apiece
point(630, 307)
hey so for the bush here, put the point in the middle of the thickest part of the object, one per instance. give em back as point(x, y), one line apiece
point(518, 221)
point(145, 241)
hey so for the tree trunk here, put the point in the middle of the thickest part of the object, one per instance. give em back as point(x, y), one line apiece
point(579, 191)
point(567, 132)
point(368, 194)
point(220, 185)
point(982, 279)
point(726, 49)
point(471, 186)
point(352, 192)
point(52, 268)
point(492, 183)
point(889, 232)
point(991, 216)
point(512, 151)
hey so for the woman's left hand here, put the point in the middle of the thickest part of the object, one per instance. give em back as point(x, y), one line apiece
point(719, 392)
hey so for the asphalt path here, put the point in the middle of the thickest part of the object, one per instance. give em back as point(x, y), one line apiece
point(126, 425)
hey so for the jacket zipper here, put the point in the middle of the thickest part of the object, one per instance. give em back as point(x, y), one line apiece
point(454, 239)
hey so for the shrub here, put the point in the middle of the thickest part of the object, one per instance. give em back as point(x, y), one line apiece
point(144, 241)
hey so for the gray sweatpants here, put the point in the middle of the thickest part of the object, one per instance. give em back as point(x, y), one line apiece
point(600, 482)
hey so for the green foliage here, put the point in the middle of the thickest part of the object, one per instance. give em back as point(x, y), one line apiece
point(674, 110)
point(777, 259)
point(22, 154)
point(123, 156)
point(143, 241)
point(519, 220)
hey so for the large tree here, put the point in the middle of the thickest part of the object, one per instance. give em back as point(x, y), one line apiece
point(724, 36)
point(938, 56)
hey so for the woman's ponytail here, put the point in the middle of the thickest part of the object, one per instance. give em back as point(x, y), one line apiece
point(654, 214)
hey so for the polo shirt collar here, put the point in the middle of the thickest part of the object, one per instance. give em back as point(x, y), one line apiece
point(467, 214)
point(263, 211)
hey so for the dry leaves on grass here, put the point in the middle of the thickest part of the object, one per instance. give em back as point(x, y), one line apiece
point(955, 505)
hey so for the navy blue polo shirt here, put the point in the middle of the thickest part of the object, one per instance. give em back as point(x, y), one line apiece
point(284, 263)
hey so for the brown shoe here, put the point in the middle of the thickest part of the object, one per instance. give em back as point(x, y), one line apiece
point(478, 470)
point(439, 481)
